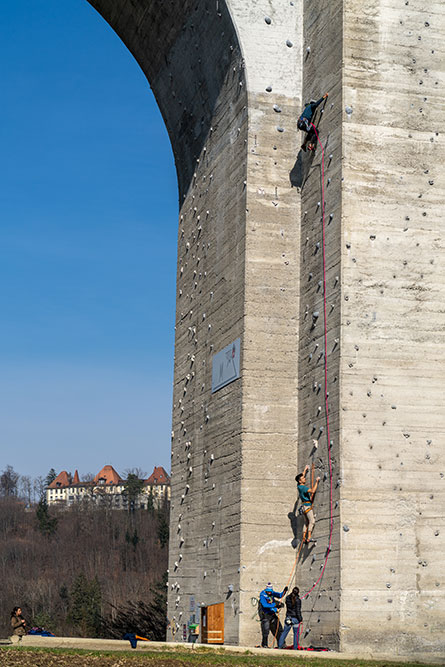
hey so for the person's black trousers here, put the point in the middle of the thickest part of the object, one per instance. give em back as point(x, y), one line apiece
point(270, 623)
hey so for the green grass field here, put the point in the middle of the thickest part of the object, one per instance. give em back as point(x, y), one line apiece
point(32, 657)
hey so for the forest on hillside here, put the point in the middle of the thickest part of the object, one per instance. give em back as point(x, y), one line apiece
point(87, 571)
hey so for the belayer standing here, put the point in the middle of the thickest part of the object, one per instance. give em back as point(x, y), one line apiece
point(304, 123)
point(293, 618)
point(268, 612)
point(307, 497)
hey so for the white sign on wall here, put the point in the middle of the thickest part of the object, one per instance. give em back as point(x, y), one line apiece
point(226, 365)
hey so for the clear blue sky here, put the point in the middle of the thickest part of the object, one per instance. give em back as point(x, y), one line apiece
point(88, 210)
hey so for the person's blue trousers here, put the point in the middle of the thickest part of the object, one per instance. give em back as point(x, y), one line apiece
point(290, 622)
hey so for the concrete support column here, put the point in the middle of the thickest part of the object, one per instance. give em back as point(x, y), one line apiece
point(231, 77)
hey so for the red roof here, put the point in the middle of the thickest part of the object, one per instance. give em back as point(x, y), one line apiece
point(110, 476)
point(62, 479)
point(158, 476)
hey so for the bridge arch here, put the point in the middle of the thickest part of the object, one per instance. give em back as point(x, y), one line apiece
point(191, 57)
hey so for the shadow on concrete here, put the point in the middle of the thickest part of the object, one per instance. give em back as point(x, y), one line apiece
point(297, 524)
point(307, 551)
point(300, 170)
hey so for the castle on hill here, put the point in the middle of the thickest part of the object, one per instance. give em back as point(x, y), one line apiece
point(108, 486)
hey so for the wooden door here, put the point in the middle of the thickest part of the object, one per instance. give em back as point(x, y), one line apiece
point(212, 624)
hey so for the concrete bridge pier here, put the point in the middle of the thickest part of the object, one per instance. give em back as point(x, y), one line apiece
point(230, 77)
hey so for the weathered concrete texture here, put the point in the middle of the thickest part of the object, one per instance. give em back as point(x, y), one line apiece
point(230, 78)
point(191, 56)
point(393, 344)
point(322, 60)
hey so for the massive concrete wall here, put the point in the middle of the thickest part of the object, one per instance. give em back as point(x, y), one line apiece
point(383, 65)
point(230, 78)
point(392, 338)
point(322, 72)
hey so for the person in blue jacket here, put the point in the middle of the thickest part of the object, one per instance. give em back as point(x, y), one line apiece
point(268, 612)
point(304, 123)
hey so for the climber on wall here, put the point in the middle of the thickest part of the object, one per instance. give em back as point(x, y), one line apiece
point(304, 123)
point(268, 613)
point(307, 498)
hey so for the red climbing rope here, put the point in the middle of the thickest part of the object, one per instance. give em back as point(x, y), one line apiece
point(326, 396)
point(326, 393)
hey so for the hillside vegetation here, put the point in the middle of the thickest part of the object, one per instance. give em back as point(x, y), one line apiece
point(84, 571)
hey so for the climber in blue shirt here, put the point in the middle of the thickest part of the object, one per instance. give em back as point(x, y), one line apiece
point(268, 609)
point(307, 496)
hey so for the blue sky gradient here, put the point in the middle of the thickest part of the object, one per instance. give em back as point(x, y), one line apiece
point(88, 203)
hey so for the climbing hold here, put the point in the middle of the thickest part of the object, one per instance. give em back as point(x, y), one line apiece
point(289, 43)
point(277, 108)
point(348, 110)
point(268, 20)
point(346, 528)
point(280, 129)
point(268, 89)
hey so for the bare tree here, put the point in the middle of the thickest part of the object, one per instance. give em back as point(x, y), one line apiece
point(39, 488)
point(25, 488)
point(8, 482)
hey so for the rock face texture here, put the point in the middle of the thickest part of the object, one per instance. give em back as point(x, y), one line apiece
point(230, 78)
